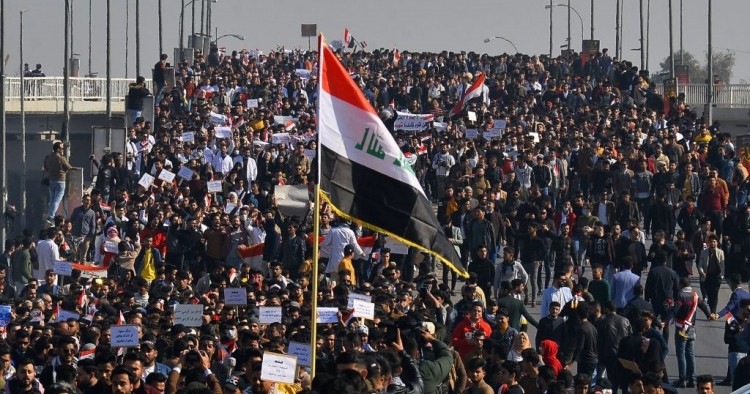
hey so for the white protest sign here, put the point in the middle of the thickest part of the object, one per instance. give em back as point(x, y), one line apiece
point(223, 132)
point(260, 143)
point(252, 103)
point(501, 124)
point(124, 336)
point(534, 135)
point(396, 246)
point(93, 274)
point(494, 132)
point(64, 268)
point(167, 176)
point(4, 315)
point(146, 181)
point(472, 116)
point(302, 73)
point(188, 136)
point(270, 314)
point(281, 138)
point(111, 247)
point(278, 368)
point(230, 207)
point(188, 315)
point(282, 119)
point(214, 186)
point(328, 315)
point(364, 309)
point(185, 173)
point(472, 133)
point(310, 153)
point(411, 122)
point(357, 296)
point(217, 119)
point(235, 296)
point(302, 351)
point(63, 315)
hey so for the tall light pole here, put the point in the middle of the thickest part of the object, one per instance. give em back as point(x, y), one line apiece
point(617, 30)
point(643, 41)
point(203, 16)
point(90, 37)
point(592, 19)
point(710, 65)
point(237, 36)
point(66, 83)
point(682, 52)
point(550, 29)
point(4, 141)
point(137, 38)
point(578, 14)
point(192, 20)
point(486, 40)
point(671, 43)
point(109, 73)
point(182, 31)
point(23, 123)
point(161, 36)
point(570, 47)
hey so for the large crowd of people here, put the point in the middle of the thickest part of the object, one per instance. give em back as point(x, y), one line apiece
point(550, 185)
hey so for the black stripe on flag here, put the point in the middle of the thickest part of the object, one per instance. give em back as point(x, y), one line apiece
point(383, 203)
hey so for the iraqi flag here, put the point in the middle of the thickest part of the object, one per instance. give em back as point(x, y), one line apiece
point(396, 58)
point(348, 39)
point(364, 175)
point(475, 90)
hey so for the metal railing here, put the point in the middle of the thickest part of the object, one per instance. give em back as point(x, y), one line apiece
point(81, 89)
point(724, 95)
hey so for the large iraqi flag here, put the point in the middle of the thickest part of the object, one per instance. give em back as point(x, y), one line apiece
point(475, 90)
point(364, 175)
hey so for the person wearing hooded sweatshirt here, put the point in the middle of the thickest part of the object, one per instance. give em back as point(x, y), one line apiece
point(549, 355)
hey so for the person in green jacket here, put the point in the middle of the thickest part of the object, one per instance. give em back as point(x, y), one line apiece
point(20, 264)
point(434, 373)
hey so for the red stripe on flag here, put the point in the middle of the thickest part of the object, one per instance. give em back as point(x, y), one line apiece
point(336, 81)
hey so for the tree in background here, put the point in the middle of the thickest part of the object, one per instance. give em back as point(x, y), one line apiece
point(698, 70)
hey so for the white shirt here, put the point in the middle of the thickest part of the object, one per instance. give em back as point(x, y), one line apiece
point(252, 167)
point(221, 164)
point(335, 241)
point(48, 253)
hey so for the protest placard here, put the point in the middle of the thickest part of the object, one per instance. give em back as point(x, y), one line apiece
point(278, 368)
point(472, 116)
point(396, 246)
point(310, 153)
point(64, 268)
point(282, 120)
point(302, 351)
point(166, 175)
point(146, 181)
point(63, 315)
point(281, 138)
point(229, 207)
point(214, 186)
point(223, 132)
point(124, 336)
point(471, 133)
point(328, 315)
point(252, 103)
point(364, 309)
point(357, 296)
point(4, 315)
point(270, 314)
point(491, 133)
point(188, 315)
point(185, 173)
point(188, 136)
point(235, 296)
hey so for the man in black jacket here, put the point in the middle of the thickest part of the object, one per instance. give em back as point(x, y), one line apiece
point(137, 92)
point(483, 268)
point(585, 353)
point(612, 328)
point(662, 288)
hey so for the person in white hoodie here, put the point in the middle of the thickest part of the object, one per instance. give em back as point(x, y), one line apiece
point(509, 269)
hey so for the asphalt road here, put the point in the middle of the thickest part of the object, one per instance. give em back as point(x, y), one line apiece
point(710, 350)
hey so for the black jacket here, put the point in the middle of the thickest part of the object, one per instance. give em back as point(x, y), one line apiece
point(612, 328)
point(662, 283)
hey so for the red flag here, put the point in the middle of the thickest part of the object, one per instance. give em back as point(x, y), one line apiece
point(475, 90)
point(121, 320)
point(396, 58)
point(347, 37)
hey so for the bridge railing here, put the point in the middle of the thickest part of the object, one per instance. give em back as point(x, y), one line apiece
point(724, 95)
point(81, 89)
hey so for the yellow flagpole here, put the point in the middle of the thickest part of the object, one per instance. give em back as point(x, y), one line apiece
point(316, 231)
point(315, 280)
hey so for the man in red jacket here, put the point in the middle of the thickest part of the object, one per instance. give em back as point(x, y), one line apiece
point(463, 334)
point(713, 203)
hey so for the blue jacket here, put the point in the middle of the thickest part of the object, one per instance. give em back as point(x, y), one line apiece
point(733, 306)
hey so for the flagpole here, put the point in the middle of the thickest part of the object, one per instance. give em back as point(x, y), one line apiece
point(316, 234)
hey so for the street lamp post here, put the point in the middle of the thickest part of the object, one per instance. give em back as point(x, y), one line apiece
point(109, 73)
point(550, 28)
point(3, 138)
point(570, 8)
point(710, 65)
point(137, 38)
point(237, 36)
point(486, 40)
point(23, 123)
point(66, 84)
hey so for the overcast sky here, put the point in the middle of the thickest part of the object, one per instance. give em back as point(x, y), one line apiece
point(407, 24)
